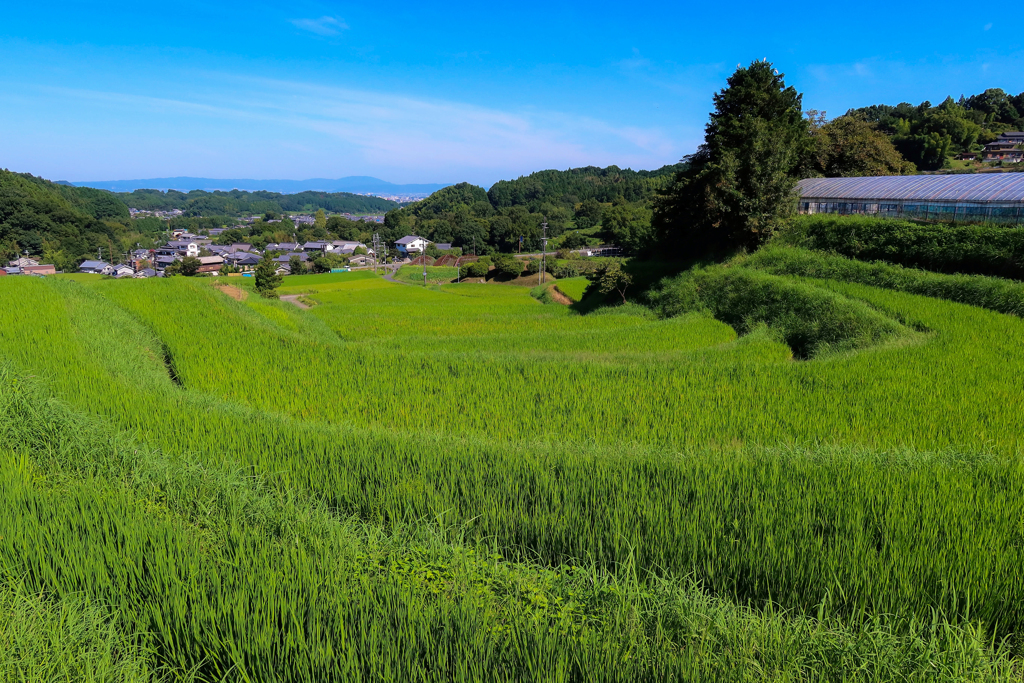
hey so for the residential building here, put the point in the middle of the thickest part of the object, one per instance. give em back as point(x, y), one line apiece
point(23, 261)
point(284, 246)
point(179, 247)
point(323, 247)
point(1012, 155)
point(144, 273)
point(346, 247)
point(285, 258)
point(411, 244)
point(210, 264)
point(122, 270)
point(99, 267)
point(161, 262)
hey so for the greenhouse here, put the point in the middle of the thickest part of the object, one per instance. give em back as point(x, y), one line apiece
point(982, 197)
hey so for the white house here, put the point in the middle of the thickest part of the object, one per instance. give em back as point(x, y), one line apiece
point(412, 244)
point(121, 270)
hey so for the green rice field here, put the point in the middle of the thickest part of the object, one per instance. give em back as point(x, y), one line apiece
point(789, 467)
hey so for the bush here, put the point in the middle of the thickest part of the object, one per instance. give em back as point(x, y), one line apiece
point(978, 249)
point(810, 319)
point(475, 269)
point(574, 240)
point(997, 294)
point(532, 266)
point(509, 265)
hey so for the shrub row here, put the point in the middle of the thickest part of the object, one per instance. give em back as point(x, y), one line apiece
point(811, 320)
point(997, 294)
point(975, 249)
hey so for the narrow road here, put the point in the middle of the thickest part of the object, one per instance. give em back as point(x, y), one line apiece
point(294, 298)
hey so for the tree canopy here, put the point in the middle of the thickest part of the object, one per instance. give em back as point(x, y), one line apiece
point(738, 186)
point(62, 224)
point(241, 202)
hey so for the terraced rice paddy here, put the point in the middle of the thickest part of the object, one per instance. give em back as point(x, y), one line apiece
point(462, 483)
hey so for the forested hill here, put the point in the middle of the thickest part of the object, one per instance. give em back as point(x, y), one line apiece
point(594, 203)
point(928, 135)
point(59, 222)
point(240, 202)
point(579, 184)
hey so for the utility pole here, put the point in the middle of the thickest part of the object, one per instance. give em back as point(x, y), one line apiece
point(544, 251)
point(376, 250)
point(423, 255)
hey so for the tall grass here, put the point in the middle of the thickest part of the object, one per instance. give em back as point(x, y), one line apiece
point(71, 639)
point(878, 481)
point(232, 581)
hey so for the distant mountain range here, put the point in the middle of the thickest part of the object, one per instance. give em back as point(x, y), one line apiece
point(355, 184)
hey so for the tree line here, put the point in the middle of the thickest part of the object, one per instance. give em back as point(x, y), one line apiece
point(242, 202)
point(927, 135)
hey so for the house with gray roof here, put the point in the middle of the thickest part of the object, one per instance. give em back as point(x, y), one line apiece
point(411, 244)
point(98, 267)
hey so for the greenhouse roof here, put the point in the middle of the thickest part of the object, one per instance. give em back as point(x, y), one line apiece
point(978, 187)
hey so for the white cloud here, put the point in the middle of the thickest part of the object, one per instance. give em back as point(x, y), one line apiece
point(405, 136)
point(324, 26)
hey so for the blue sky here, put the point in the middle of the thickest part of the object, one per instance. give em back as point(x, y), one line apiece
point(443, 93)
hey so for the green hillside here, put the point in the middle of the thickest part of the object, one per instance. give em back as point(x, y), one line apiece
point(60, 223)
point(240, 202)
point(595, 203)
point(579, 184)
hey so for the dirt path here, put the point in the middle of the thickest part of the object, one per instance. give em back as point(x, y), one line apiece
point(236, 293)
point(294, 298)
point(557, 295)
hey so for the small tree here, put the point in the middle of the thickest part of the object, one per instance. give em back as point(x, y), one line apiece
point(189, 266)
point(295, 264)
point(320, 220)
point(267, 279)
point(508, 265)
point(612, 278)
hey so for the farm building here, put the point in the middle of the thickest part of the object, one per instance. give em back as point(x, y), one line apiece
point(982, 197)
point(210, 264)
point(41, 269)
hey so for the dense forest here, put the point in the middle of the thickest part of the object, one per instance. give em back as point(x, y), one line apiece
point(239, 202)
point(579, 205)
point(60, 223)
point(928, 135)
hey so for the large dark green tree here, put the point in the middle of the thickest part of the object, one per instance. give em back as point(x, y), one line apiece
point(738, 186)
